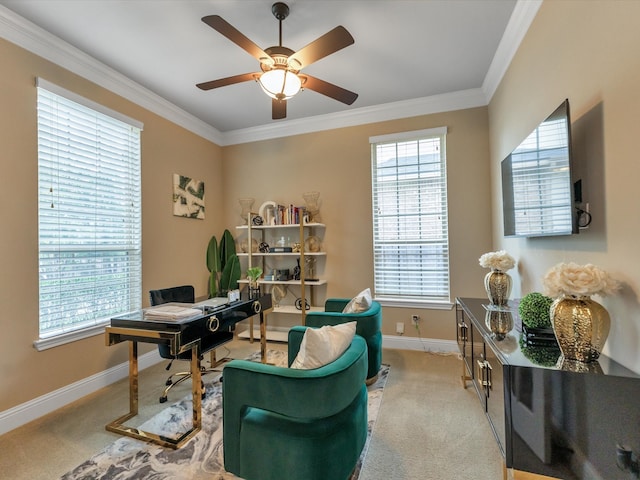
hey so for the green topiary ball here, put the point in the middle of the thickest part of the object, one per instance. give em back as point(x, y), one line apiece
point(534, 310)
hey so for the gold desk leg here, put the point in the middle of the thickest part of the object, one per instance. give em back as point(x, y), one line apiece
point(464, 378)
point(196, 390)
point(117, 426)
point(263, 337)
point(250, 329)
point(133, 378)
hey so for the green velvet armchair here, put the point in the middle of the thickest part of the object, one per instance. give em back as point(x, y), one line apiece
point(369, 326)
point(286, 423)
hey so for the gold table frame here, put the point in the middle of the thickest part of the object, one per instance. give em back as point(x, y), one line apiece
point(115, 335)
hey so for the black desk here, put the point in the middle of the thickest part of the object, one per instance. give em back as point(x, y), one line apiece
point(181, 336)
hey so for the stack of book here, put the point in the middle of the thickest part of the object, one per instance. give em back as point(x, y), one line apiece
point(289, 215)
point(170, 312)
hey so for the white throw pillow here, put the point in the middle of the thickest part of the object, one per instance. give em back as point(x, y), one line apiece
point(359, 303)
point(321, 346)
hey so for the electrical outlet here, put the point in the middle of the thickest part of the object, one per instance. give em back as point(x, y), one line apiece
point(399, 328)
point(415, 319)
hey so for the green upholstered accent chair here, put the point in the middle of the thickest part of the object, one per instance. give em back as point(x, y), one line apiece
point(286, 423)
point(369, 326)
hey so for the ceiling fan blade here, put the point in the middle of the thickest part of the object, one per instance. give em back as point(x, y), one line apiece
point(328, 89)
point(223, 82)
point(225, 28)
point(329, 43)
point(278, 109)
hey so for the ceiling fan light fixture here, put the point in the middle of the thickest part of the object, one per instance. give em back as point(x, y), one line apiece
point(280, 84)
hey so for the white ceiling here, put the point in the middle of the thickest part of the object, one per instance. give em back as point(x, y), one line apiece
point(404, 50)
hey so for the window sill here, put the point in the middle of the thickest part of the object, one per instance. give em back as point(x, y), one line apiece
point(64, 338)
point(414, 303)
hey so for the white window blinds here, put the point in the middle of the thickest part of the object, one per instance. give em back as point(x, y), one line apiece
point(410, 226)
point(89, 214)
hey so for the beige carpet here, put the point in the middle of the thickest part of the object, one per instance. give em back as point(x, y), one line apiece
point(428, 427)
point(202, 457)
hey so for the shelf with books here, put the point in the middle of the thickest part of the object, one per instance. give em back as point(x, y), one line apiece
point(298, 265)
point(284, 225)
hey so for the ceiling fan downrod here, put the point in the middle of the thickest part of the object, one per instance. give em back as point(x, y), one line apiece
point(280, 11)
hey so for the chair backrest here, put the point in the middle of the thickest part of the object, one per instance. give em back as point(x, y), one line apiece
point(182, 294)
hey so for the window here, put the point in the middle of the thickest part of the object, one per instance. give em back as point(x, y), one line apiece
point(410, 227)
point(89, 221)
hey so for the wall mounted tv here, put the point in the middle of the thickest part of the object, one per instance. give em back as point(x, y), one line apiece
point(538, 194)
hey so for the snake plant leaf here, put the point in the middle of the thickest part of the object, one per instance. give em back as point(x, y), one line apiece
point(213, 284)
point(227, 248)
point(213, 257)
point(230, 274)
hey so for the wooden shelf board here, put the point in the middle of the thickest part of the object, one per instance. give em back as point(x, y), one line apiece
point(282, 254)
point(272, 335)
point(294, 310)
point(287, 225)
point(286, 282)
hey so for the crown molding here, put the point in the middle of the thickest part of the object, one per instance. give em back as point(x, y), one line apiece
point(521, 18)
point(29, 36)
point(378, 113)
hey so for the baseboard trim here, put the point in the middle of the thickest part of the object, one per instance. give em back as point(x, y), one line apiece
point(422, 344)
point(22, 414)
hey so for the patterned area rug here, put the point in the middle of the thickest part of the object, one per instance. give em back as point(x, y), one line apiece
point(201, 457)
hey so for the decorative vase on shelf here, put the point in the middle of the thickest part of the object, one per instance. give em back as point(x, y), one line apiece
point(498, 286)
point(254, 289)
point(246, 204)
point(581, 326)
point(312, 205)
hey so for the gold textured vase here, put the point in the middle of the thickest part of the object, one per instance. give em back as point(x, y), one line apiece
point(498, 286)
point(500, 323)
point(581, 326)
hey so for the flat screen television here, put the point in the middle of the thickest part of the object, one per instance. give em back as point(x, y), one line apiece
point(538, 193)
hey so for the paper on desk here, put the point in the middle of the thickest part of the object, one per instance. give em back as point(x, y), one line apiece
point(170, 312)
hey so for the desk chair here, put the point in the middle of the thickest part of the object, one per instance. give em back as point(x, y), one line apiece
point(186, 294)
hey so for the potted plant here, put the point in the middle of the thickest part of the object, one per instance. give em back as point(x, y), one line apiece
point(253, 275)
point(536, 322)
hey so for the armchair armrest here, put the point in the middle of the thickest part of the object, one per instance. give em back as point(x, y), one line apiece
point(369, 322)
point(336, 304)
point(296, 334)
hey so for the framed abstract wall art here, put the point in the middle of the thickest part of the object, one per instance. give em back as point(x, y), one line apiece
point(188, 197)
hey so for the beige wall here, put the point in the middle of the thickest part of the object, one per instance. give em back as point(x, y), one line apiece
point(173, 247)
point(589, 52)
point(337, 164)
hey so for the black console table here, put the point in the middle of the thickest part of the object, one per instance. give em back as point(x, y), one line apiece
point(551, 418)
point(181, 336)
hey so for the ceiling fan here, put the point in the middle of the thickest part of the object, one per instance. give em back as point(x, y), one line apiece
point(280, 77)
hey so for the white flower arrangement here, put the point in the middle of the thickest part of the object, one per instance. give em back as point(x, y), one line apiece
point(499, 260)
point(578, 281)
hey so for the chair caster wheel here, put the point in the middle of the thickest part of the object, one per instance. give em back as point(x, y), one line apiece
point(163, 399)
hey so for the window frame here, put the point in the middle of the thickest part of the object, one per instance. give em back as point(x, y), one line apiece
point(64, 149)
point(396, 299)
